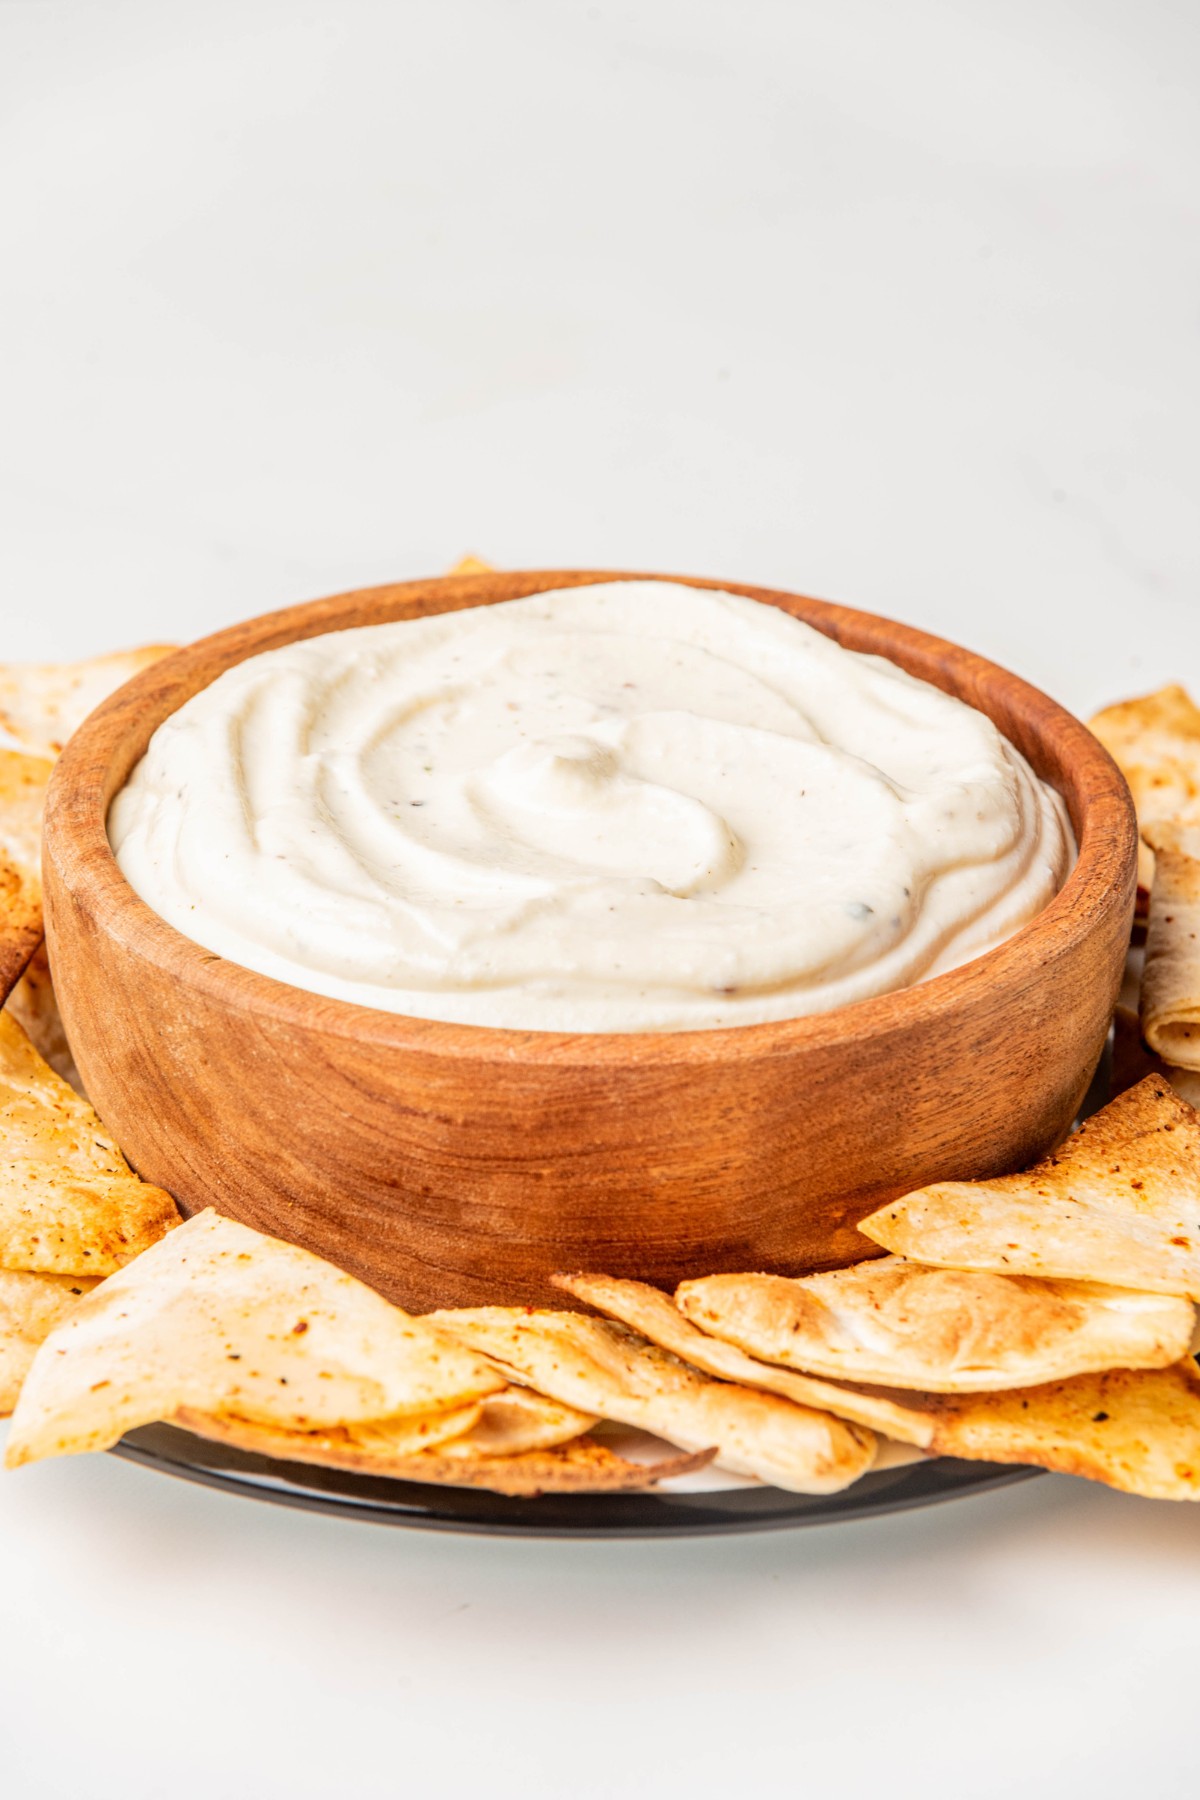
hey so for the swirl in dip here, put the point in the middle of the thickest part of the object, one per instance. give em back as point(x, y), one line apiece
point(635, 806)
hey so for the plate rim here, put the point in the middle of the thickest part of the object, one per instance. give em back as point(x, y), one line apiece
point(384, 1500)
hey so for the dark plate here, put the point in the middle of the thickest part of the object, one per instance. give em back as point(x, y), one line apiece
point(385, 1502)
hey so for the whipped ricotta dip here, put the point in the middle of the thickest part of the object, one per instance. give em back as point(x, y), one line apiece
point(636, 806)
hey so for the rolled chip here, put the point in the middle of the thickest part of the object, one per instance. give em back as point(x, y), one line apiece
point(219, 1319)
point(30, 1307)
point(1119, 1202)
point(23, 781)
point(42, 704)
point(1170, 997)
point(605, 1369)
point(647, 1310)
point(581, 1466)
point(69, 1202)
point(905, 1325)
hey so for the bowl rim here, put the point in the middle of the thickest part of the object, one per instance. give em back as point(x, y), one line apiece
point(75, 840)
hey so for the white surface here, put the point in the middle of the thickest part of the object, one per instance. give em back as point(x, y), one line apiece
point(894, 303)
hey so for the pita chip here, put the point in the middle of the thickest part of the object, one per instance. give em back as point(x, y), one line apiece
point(1119, 1202)
point(603, 1368)
point(657, 1317)
point(23, 781)
point(34, 1005)
point(582, 1465)
point(513, 1422)
point(69, 1202)
point(1155, 742)
point(30, 1307)
point(219, 1319)
point(1135, 1429)
point(42, 704)
point(903, 1324)
point(374, 1448)
point(1170, 997)
point(517, 1420)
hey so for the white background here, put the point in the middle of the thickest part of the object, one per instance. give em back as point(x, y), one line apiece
point(898, 304)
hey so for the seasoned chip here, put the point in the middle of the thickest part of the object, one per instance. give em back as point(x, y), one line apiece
point(41, 704)
point(375, 1447)
point(221, 1319)
point(901, 1324)
point(23, 782)
point(605, 1369)
point(517, 1420)
point(34, 1006)
point(69, 1202)
point(647, 1310)
point(1170, 999)
point(581, 1466)
point(30, 1307)
point(1155, 742)
point(1136, 1429)
point(1118, 1202)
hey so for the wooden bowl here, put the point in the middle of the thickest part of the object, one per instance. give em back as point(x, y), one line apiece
point(457, 1164)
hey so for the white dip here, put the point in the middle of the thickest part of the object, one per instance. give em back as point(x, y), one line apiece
point(631, 807)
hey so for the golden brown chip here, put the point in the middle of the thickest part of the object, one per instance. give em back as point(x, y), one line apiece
point(605, 1369)
point(472, 565)
point(376, 1448)
point(69, 1202)
point(41, 704)
point(30, 1307)
point(581, 1466)
point(34, 1006)
point(1136, 1429)
point(218, 1318)
point(23, 782)
point(904, 1325)
point(1155, 742)
point(517, 1420)
point(647, 1310)
point(1118, 1202)
point(1170, 998)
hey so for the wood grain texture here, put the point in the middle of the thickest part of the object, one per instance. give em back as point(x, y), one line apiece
point(453, 1164)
